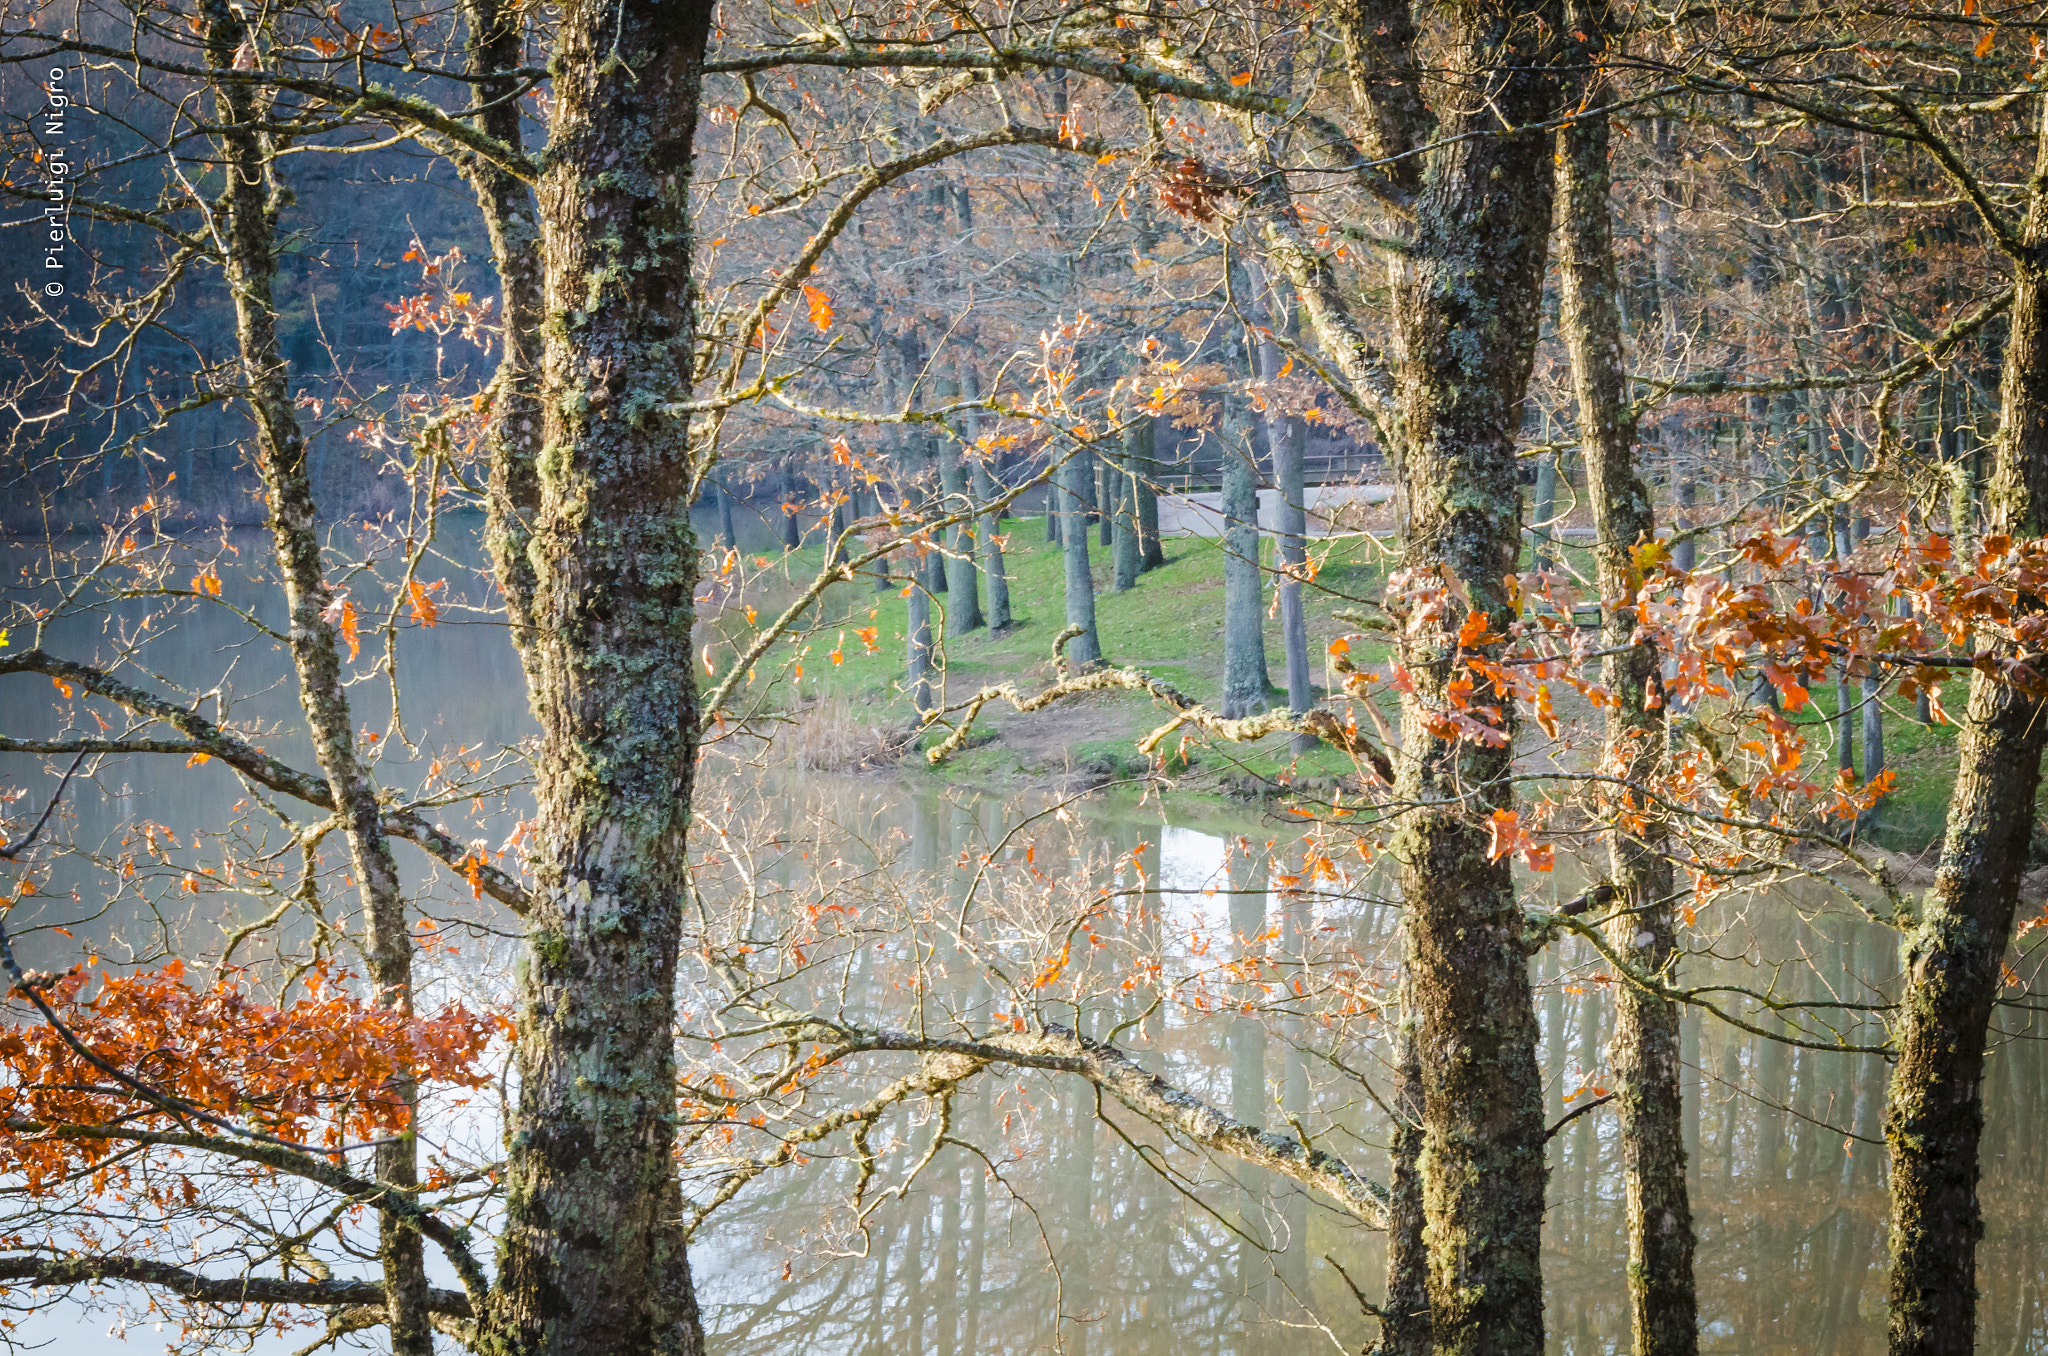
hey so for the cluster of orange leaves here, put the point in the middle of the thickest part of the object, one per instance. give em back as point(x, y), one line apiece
point(326, 1067)
point(1801, 621)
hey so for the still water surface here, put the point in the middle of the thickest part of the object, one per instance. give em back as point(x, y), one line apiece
point(1078, 1245)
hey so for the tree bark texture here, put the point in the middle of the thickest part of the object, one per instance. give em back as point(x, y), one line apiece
point(512, 437)
point(246, 227)
point(1404, 1323)
point(1645, 1050)
point(1467, 300)
point(1935, 1116)
point(592, 1257)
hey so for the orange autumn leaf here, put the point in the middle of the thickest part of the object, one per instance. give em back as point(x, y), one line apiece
point(1985, 43)
point(196, 759)
point(1241, 78)
point(424, 610)
point(821, 307)
point(1504, 834)
point(1474, 631)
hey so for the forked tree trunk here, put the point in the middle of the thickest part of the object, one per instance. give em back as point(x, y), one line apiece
point(246, 227)
point(1954, 952)
point(592, 1257)
point(1645, 1050)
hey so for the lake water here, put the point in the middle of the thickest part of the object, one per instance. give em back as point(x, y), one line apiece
point(1065, 1237)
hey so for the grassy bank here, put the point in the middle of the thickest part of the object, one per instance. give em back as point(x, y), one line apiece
point(1170, 625)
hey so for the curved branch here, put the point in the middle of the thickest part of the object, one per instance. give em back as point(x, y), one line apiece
point(204, 736)
point(192, 1285)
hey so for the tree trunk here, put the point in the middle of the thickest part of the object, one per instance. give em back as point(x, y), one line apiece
point(1954, 952)
point(728, 531)
point(1546, 509)
point(246, 226)
point(1873, 750)
point(1151, 551)
point(1244, 610)
point(512, 437)
point(917, 640)
point(988, 540)
point(1404, 1325)
point(1105, 499)
point(1127, 549)
point(1288, 437)
point(787, 506)
point(1475, 267)
point(1645, 1052)
point(963, 580)
point(592, 1257)
point(1077, 476)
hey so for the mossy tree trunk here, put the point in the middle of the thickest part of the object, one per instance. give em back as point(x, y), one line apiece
point(496, 48)
point(1466, 301)
point(592, 1257)
point(1954, 952)
point(245, 223)
point(1645, 1051)
point(1404, 1323)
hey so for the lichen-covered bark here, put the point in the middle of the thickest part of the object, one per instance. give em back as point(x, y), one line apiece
point(1953, 953)
point(512, 437)
point(1466, 301)
point(592, 1256)
point(247, 228)
point(1645, 1048)
point(1404, 1321)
